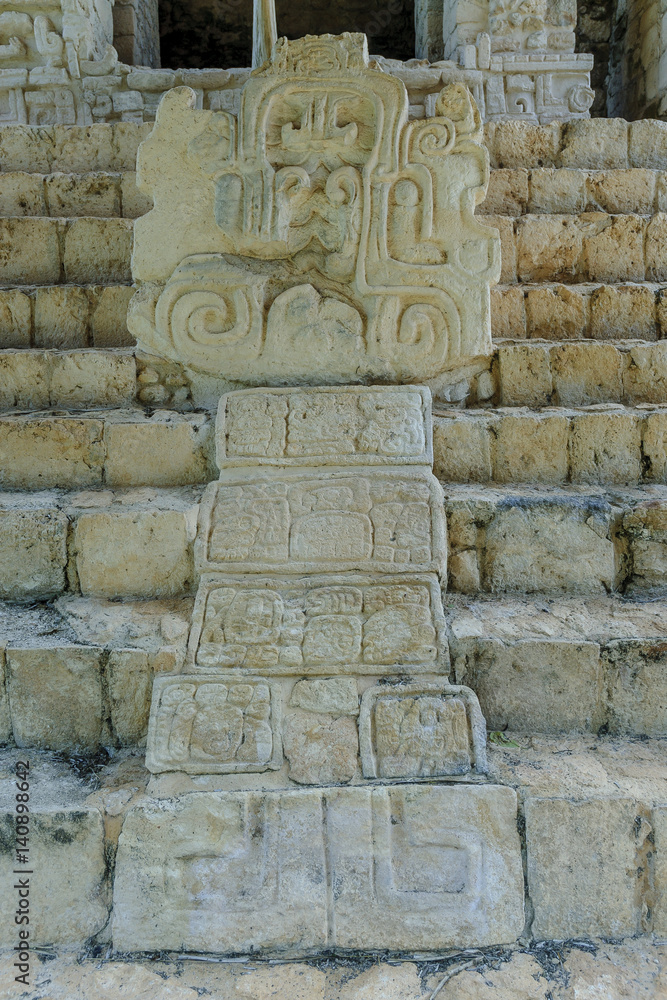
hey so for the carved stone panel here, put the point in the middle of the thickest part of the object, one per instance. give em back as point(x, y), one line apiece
point(318, 236)
point(207, 725)
point(410, 867)
point(333, 624)
point(350, 425)
point(421, 730)
point(380, 521)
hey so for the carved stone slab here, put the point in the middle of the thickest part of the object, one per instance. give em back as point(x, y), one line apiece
point(384, 521)
point(332, 624)
point(207, 725)
point(415, 867)
point(350, 425)
point(421, 730)
point(318, 236)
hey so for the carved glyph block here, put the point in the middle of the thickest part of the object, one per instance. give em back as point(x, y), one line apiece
point(381, 521)
point(405, 868)
point(421, 730)
point(319, 236)
point(333, 624)
point(351, 425)
point(207, 725)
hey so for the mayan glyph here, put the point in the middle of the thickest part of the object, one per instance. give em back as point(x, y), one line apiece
point(317, 235)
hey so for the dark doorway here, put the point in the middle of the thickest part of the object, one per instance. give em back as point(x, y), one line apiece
point(201, 33)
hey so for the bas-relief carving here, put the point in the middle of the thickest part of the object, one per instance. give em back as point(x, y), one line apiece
point(377, 520)
point(327, 624)
point(402, 867)
point(421, 730)
point(319, 236)
point(373, 425)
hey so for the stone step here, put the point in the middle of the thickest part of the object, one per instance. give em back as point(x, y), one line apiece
point(112, 448)
point(567, 191)
point(554, 311)
point(570, 792)
point(71, 148)
point(100, 194)
point(65, 316)
point(558, 664)
point(549, 540)
point(586, 247)
point(607, 444)
point(43, 251)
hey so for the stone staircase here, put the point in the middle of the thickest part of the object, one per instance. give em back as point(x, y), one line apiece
point(552, 459)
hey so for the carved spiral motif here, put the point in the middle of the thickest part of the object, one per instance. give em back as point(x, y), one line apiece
point(580, 98)
point(422, 327)
point(435, 139)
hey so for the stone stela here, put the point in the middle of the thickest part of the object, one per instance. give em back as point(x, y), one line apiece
point(318, 237)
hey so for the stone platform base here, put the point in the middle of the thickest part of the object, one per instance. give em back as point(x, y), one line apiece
point(637, 970)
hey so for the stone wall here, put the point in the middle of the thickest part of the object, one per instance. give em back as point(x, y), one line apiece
point(136, 34)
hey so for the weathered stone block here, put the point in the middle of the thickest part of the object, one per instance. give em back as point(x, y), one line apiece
point(654, 447)
point(548, 247)
point(335, 695)
point(24, 380)
point(623, 312)
point(98, 250)
point(33, 550)
point(524, 375)
point(584, 374)
point(508, 258)
point(585, 866)
point(461, 447)
point(647, 527)
point(166, 450)
point(15, 318)
point(29, 251)
point(134, 202)
point(507, 193)
point(109, 319)
point(516, 144)
point(56, 698)
point(595, 144)
point(61, 317)
point(637, 679)
point(530, 447)
point(557, 191)
point(645, 378)
point(22, 194)
point(656, 248)
point(621, 192)
point(129, 681)
point(508, 314)
point(613, 247)
point(43, 452)
point(320, 750)
point(648, 144)
point(92, 378)
point(91, 194)
point(605, 447)
point(558, 313)
point(143, 553)
point(659, 817)
point(5, 716)
point(77, 149)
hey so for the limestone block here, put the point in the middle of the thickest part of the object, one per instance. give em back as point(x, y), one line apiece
point(557, 191)
point(134, 202)
point(584, 374)
point(557, 313)
point(415, 868)
point(165, 450)
point(648, 145)
point(524, 375)
point(33, 550)
point(56, 698)
point(507, 193)
point(654, 447)
point(508, 246)
point(620, 312)
point(129, 681)
point(61, 317)
point(276, 325)
point(508, 314)
point(596, 144)
point(516, 144)
point(605, 447)
point(77, 149)
point(68, 900)
point(128, 553)
point(585, 866)
point(645, 378)
point(659, 817)
point(400, 982)
point(321, 750)
point(647, 527)
point(98, 250)
point(207, 724)
point(637, 681)
point(350, 425)
point(29, 251)
point(15, 318)
point(530, 447)
point(109, 319)
point(464, 572)
point(548, 247)
point(5, 716)
point(95, 194)
point(86, 378)
point(538, 686)
point(621, 192)
point(22, 194)
point(24, 380)
point(656, 248)
point(335, 695)
point(462, 448)
point(297, 981)
point(375, 520)
point(613, 248)
point(126, 138)
point(43, 452)
point(550, 546)
point(326, 624)
point(421, 730)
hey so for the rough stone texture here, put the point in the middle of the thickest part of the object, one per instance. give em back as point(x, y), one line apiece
point(33, 553)
point(166, 450)
point(555, 313)
point(605, 447)
point(637, 672)
point(587, 373)
point(46, 452)
point(336, 695)
point(647, 526)
point(129, 681)
point(531, 448)
point(320, 751)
